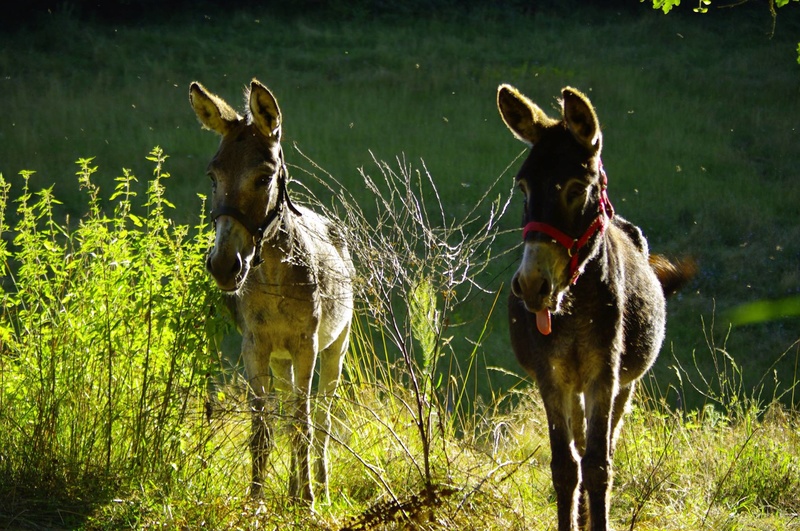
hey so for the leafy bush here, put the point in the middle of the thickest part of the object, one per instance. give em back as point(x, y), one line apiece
point(103, 334)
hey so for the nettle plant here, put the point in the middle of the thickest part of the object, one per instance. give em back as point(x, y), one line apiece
point(103, 333)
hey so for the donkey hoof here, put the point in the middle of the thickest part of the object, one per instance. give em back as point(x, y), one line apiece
point(256, 491)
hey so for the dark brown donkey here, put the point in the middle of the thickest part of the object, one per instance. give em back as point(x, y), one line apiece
point(288, 275)
point(587, 307)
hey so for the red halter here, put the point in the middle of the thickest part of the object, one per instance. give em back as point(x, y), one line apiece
point(604, 215)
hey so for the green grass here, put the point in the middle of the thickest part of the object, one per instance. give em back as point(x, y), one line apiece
point(699, 115)
point(700, 123)
point(121, 413)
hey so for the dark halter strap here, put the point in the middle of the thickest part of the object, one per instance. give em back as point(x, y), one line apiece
point(258, 230)
point(574, 245)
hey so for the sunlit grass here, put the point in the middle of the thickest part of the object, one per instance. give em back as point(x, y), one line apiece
point(124, 414)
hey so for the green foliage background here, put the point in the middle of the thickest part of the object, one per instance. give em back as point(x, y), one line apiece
point(108, 314)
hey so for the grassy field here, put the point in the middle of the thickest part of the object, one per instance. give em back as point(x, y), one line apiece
point(117, 415)
point(700, 119)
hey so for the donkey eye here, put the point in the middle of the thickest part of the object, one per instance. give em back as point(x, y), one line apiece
point(523, 190)
point(213, 181)
point(262, 181)
point(574, 193)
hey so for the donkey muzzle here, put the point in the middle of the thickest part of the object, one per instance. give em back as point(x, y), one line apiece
point(533, 289)
point(227, 270)
point(541, 279)
point(228, 260)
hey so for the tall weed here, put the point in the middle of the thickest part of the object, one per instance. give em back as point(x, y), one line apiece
point(416, 266)
point(104, 326)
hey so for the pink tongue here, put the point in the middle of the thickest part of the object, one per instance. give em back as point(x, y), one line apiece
point(543, 322)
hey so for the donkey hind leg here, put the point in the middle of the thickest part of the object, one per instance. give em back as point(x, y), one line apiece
point(565, 460)
point(330, 371)
point(304, 359)
point(621, 402)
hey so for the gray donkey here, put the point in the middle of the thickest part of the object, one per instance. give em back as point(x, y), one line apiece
point(288, 277)
point(587, 308)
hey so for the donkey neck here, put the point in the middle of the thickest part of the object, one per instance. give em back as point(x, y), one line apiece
point(602, 266)
point(279, 233)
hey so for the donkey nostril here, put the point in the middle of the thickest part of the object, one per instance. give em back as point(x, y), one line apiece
point(544, 288)
point(236, 266)
point(516, 288)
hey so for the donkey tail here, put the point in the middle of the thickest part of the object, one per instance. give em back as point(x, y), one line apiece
point(673, 275)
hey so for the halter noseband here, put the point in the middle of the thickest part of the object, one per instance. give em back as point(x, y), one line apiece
point(573, 245)
point(257, 231)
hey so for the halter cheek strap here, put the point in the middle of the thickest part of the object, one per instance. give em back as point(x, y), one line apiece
point(257, 231)
point(573, 245)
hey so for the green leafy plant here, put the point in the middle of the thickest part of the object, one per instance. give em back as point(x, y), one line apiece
point(702, 7)
point(104, 339)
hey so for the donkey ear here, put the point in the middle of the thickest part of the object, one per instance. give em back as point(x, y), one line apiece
point(264, 110)
point(523, 117)
point(211, 110)
point(581, 119)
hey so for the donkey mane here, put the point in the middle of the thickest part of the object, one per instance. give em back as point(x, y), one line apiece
point(294, 234)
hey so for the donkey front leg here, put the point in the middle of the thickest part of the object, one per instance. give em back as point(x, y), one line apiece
point(564, 463)
point(596, 464)
point(283, 381)
point(261, 441)
point(578, 423)
point(261, 444)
